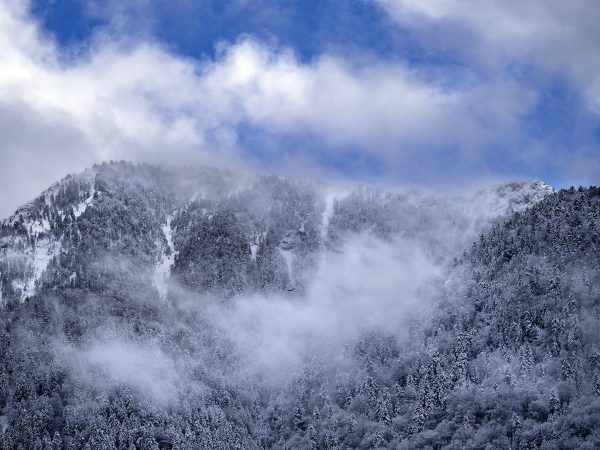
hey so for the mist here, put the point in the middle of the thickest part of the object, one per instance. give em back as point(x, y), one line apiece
point(105, 363)
point(366, 285)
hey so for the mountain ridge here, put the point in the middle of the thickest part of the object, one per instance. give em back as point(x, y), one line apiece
point(36, 221)
point(296, 319)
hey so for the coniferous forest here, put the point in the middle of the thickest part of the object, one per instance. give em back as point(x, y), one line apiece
point(144, 307)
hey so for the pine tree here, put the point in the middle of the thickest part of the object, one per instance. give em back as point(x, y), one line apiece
point(299, 422)
point(383, 408)
point(417, 422)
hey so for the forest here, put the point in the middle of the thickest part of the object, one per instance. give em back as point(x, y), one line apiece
point(145, 307)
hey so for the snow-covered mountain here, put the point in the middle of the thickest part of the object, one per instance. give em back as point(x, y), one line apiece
point(153, 308)
point(295, 217)
point(27, 241)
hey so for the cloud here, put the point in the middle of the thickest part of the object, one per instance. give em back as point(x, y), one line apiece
point(107, 362)
point(375, 107)
point(122, 99)
point(557, 37)
point(257, 104)
point(365, 285)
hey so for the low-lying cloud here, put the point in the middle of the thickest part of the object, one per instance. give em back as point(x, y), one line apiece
point(107, 362)
point(367, 285)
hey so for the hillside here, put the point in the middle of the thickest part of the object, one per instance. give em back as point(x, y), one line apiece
point(146, 307)
point(263, 229)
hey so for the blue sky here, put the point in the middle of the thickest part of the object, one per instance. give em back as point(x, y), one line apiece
point(429, 93)
point(194, 28)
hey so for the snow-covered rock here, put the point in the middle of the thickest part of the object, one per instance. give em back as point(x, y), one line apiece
point(162, 271)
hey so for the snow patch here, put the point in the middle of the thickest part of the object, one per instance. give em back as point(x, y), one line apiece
point(331, 195)
point(255, 245)
point(79, 209)
point(43, 252)
point(253, 251)
point(38, 227)
point(162, 271)
point(501, 200)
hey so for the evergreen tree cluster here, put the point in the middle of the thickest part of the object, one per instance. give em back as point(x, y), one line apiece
point(509, 357)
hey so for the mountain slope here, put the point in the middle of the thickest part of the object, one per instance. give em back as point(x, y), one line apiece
point(209, 309)
point(222, 231)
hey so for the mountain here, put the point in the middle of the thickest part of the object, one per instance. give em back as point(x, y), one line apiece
point(147, 307)
point(162, 218)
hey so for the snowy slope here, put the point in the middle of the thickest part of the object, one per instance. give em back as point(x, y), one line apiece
point(29, 239)
point(162, 271)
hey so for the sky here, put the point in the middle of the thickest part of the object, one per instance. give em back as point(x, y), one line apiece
point(428, 93)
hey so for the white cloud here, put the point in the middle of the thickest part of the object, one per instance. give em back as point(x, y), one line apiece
point(110, 361)
point(556, 36)
point(145, 368)
point(365, 285)
point(137, 101)
point(378, 107)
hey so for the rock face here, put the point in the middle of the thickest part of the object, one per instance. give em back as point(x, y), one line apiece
point(144, 307)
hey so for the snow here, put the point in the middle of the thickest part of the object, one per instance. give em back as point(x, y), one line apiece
point(255, 245)
point(253, 251)
point(79, 209)
point(38, 227)
point(37, 256)
point(44, 250)
point(162, 271)
point(36, 259)
point(18, 285)
point(501, 200)
point(327, 214)
point(332, 193)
